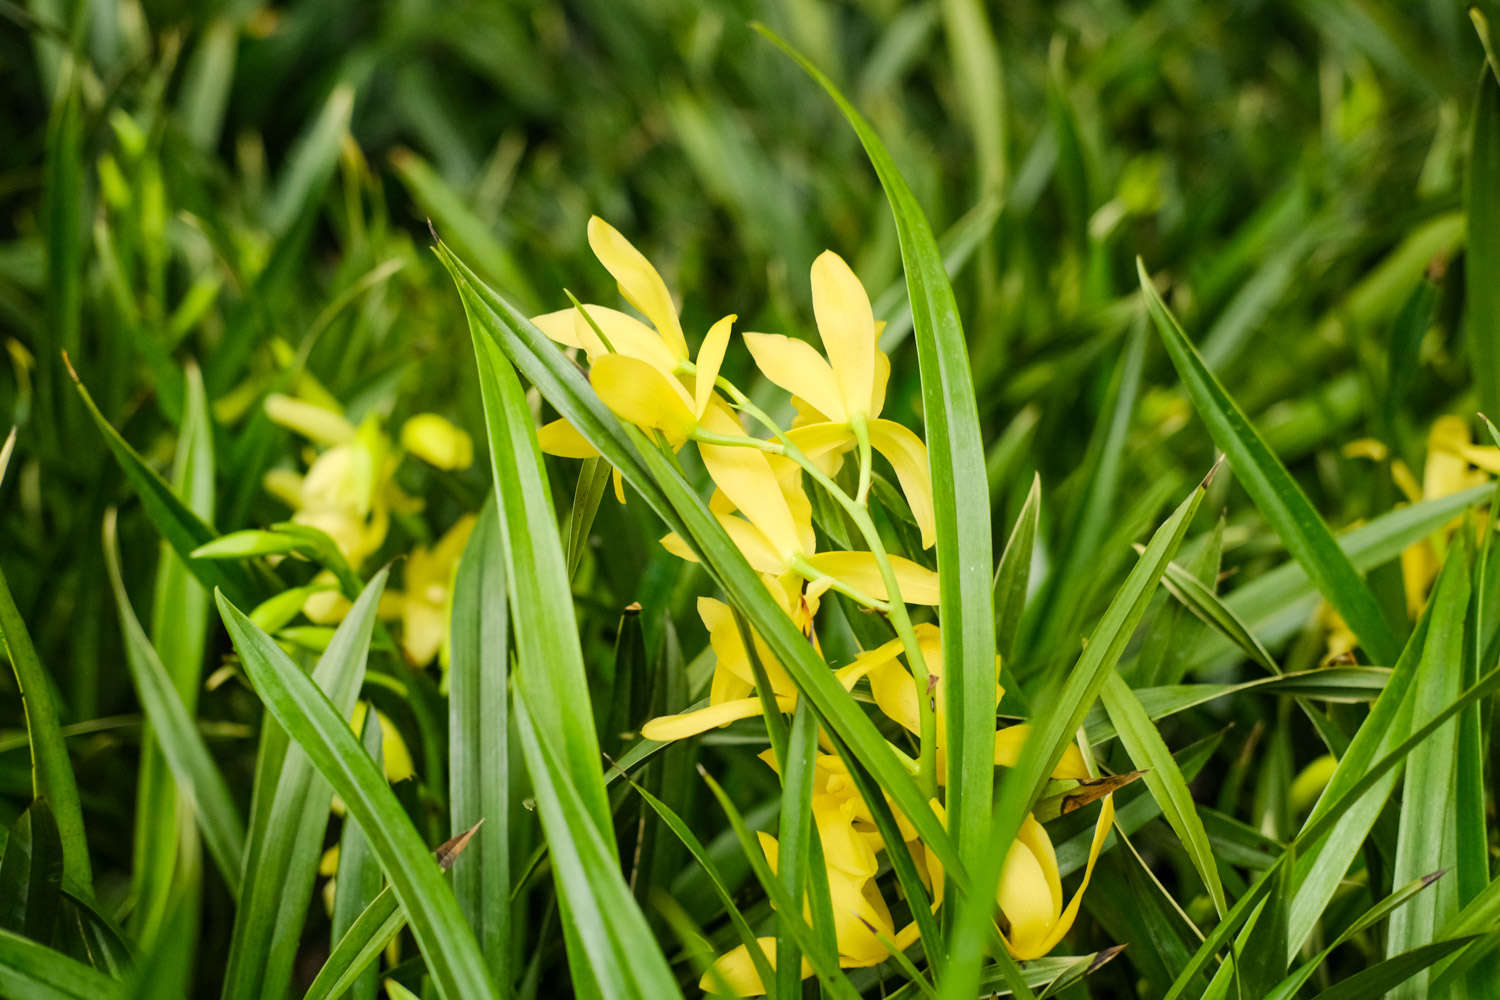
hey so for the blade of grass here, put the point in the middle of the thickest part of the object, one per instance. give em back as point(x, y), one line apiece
point(1327, 816)
point(179, 629)
point(1482, 254)
point(287, 826)
point(322, 731)
point(176, 734)
point(51, 770)
point(479, 737)
point(1275, 492)
point(550, 660)
point(358, 881)
point(1148, 752)
point(1430, 786)
point(623, 957)
point(1014, 571)
point(1398, 970)
point(960, 495)
point(178, 525)
point(35, 972)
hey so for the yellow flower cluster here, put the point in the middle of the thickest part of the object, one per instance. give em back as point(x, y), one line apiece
point(645, 374)
point(349, 492)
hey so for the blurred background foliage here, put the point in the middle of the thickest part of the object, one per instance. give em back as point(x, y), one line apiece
point(247, 187)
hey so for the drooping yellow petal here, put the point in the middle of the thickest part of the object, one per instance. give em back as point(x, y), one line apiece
point(562, 439)
point(798, 368)
point(843, 848)
point(639, 282)
point(710, 358)
point(1065, 920)
point(908, 456)
point(747, 479)
point(1025, 897)
point(666, 728)
point(752, 542)
point(561, 328)
point(847, 326)
point(919, 585)
point(642, 395)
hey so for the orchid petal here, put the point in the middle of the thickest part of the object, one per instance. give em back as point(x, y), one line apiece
point(797, 367)
point(562, 439)
point(666, 728)
point(908, 456)
point(639, 282)
point(860, 571)
point(710, 358)
point(642, 395)
point(847, 326)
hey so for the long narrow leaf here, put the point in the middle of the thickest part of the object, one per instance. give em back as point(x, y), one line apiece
point(176, 735)
point(448, 946)
point(1274, 491)
point(960, 494)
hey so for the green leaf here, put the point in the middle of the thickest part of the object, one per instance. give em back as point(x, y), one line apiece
point(550, 661)
point(179, 631)
point(1148, 752)
point(1014, 571)
point(381, 920)
point(311, 162)
point(1328, 815)
point(184, 530)
point(175, 732)
point(358, 881)
point(623, 957)
point(288, 824)
point(29, 970)
point(1430, 783)
point(1287, 988)
point(1275, 492)
point(960, 495)
point(51, 770)
point(1050, 735)
point(1482, 258)
point(1275, 604)
point(314, 724)
point(479, 737)
point(1380, 978)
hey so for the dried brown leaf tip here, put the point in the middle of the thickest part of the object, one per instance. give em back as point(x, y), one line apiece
point(449, 850)
point(1093, 789)
point(1102, 958)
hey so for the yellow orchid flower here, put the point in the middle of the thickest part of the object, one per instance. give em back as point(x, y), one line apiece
point(841, 396)
point(775, 531)
point(639, 372)
point(1030, 893)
